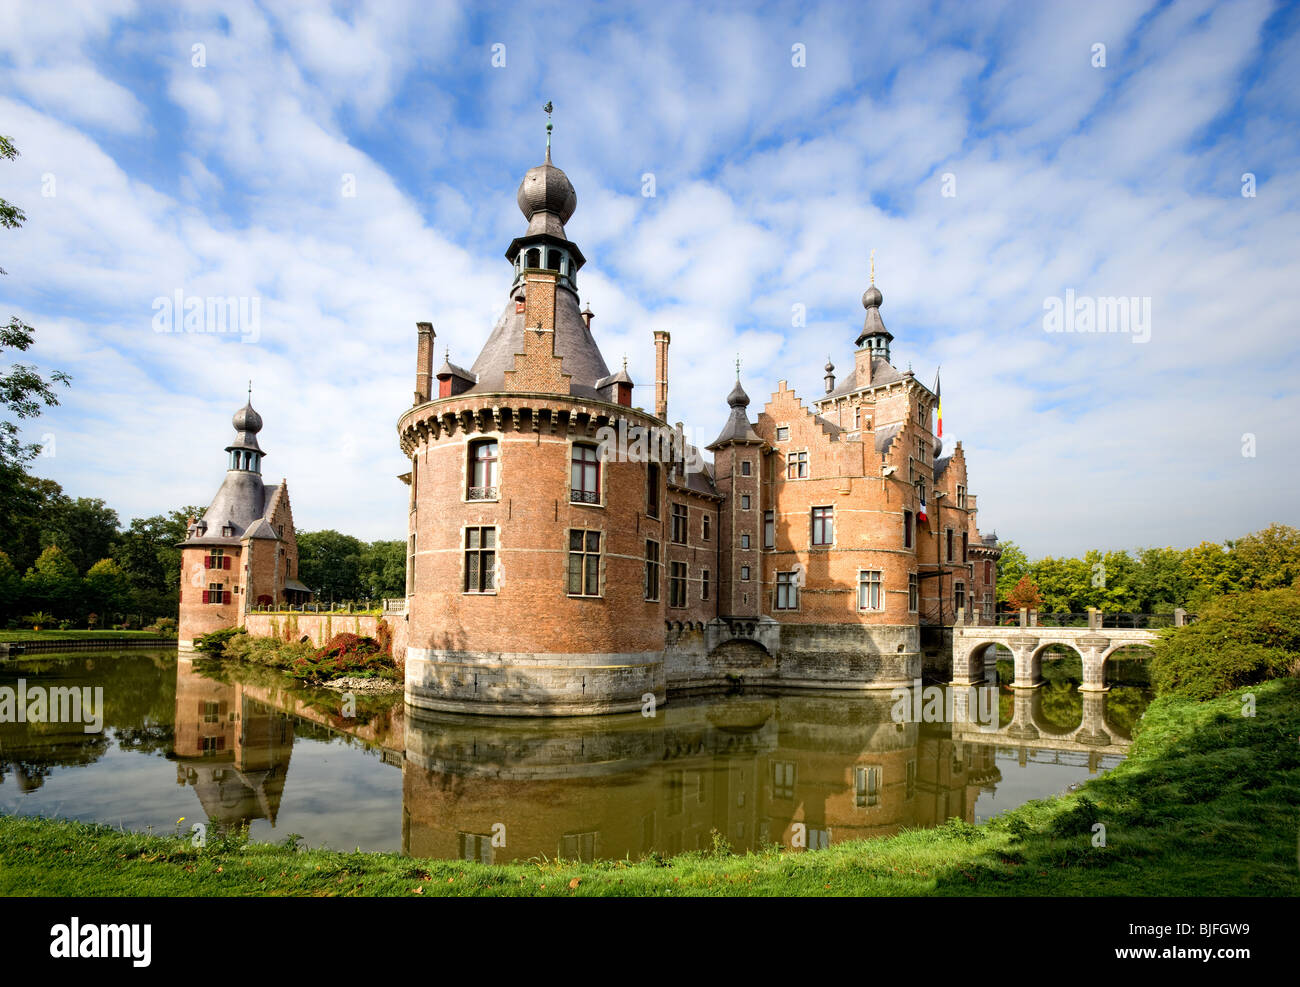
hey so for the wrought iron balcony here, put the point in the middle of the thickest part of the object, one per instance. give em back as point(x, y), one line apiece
point(482, 493)
point(584, 497)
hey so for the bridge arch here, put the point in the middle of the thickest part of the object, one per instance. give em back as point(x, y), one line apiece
point(969, 660)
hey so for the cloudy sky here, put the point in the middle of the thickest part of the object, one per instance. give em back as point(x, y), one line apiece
point(354, 169)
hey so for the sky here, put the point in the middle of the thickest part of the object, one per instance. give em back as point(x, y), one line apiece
point(351, 170)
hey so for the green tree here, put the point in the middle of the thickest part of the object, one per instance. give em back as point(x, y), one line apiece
point(1268, 559)
point(85, 529)
point(329, 562)
point(11, 587)
point(107, 589)
point(382, 569)
point(1013, 564)
point(52, 584)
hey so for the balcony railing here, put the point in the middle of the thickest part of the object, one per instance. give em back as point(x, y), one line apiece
point(482, 493)
point(584, 497)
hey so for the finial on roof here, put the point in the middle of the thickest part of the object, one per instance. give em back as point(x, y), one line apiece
point(624, 361)
point(737, 366)
point(548, 107)
point(873, 266)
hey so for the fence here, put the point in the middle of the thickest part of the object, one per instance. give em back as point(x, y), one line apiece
point(373, 607)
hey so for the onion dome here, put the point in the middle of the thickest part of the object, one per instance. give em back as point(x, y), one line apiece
point(738, 398)
point(247, 420)
point(546, 188)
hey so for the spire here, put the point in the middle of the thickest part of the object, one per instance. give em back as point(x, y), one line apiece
point(549, 126)
point(244, 452)
point(874, 335)
point(738, 427)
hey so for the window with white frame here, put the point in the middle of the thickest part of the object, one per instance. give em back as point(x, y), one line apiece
point(871, 595)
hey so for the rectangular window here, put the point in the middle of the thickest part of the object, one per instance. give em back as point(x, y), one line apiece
point(987, 607)
point(214, 594)
point(783, 779)
point(744, 502)
point(705, 528)
point(870, 594)
point(744, 468)
point(584, 563)
point(787, 591)
point(480, 560)
point(652, 490)
point(769, 529)
point(907, 529)
point(585, 482)
point(961, 496)
point(744, 542)
point(744, 573)
point(823, 525)
point(988, 571)
point(680, 518)
point(796, 466)
point(410, 566)
point(948, 541)
point(677, 584)
point(652, 567)
point(210, 711)
point(857, 416)
point(483, 460)
point(866, 787)
point(783, 433)
point(704, 585)
point(913, 593)
point(920, 449)
point(965, 544)
point(959, 596)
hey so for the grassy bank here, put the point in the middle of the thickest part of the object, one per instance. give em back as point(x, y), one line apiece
point(75, 635)
point(1206, 803)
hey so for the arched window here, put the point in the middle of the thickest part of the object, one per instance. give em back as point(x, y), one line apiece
point(585, 479)
point(483, 461)
point(552, 260)
point(534, 258)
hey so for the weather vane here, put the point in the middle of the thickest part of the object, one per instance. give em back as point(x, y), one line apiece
point(737, 366)
point(548, 107)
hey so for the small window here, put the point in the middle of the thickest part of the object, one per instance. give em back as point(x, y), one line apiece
point(480, 560)
point(680, 523)
point(476, 847)
point(870, 593)
point(677, 584)
point(913, 593)
point(704, 584)
point(744, 468)
point(744, 573)
point(783, 433)
point(410, 566)
point(796, 466)
point(823, 525)
point(907, 529)
point(857, 416)
point(584, 563)
point(961, 496)
point(948, 541)
point(783, 779)
point(866, 787)
point(483, 470)
point(769, 529)
point(705, 528)
point(959, 596)
point(744, 502)
point(965, 545)
point(652, 490)
point(787, 591)
point(585, 475)
point(744, 541)
point(652, 568)
point(988, 571)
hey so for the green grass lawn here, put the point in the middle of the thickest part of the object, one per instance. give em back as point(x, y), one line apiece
point(57, 635)
point(1207, 803)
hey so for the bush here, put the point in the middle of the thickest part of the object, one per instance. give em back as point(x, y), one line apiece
point(1239, 640)
point(346, 654)
point(163, 627)
point(215, 643)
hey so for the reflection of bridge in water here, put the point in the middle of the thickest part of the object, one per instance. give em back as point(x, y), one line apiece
point(1097, 735)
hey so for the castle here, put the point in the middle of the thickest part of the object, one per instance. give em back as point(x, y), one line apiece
point(569, 554)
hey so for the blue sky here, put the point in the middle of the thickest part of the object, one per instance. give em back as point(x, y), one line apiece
point(143, 173)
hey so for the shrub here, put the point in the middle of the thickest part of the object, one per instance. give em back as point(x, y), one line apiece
point(215, 643)
point(1239, 640)
point(346, 654)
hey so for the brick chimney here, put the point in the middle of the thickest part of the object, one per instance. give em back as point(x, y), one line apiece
point(662, 339)
point(423, 361)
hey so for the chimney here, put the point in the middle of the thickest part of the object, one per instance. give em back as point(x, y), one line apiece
point(662, 339)
point(830, 375)
point(587, 316)
point(862, 366)
point(423, 361)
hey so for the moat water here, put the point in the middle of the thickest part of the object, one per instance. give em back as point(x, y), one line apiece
point(232, 748)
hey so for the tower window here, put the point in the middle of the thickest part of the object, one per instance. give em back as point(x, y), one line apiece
point(704, 584)
point(534, 258)
point(913, 593)
point(965, 544)
point(787, 591)
point(744, 541)
point(744, 573)
point(652, 490)
point(866, 787)
point(584, 563)
point(907, 529)
point(823, 525)
point(705, 529)
point(677, 584)
point(870, 593)
point(652, 571)
point(745, 468)
point(483, 462)
point(552, 260)
point(959, 596)
point(480, 560)
point(948, 543)
point(988, 571)
point(585, 475)
point(680, 518)
point(769, 529)
point(744, 502)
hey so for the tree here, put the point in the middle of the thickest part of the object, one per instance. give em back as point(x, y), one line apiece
point(1268, 559)
point(23, 391)
point(52, 584)
point(107, 588)
point(382, 569)
point(328, 564)
point(85, 529)
point(11, 587)
point(1013, 564)
point(1024, 595)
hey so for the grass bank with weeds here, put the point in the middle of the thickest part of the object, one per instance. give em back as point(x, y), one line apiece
point(1207, 803)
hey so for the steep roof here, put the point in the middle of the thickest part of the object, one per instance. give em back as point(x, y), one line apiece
point(882, 372)
point(574, 345)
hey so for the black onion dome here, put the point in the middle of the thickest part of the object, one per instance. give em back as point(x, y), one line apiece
point(247, 420)
point(546, 188)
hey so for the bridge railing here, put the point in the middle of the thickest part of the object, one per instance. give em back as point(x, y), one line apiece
point(1120, 620)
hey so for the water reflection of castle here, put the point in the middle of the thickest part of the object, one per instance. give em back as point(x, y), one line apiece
point(798, 770)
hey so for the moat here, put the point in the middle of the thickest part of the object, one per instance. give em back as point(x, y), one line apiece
point(233, 746)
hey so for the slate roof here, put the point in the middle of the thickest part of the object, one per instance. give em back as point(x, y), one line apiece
point(885, 435)
point(242, 502)
point(941, 466)
point(882, 372)
point(574, 345)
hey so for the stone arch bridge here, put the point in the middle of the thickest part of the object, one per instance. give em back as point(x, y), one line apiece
point(1094, 644)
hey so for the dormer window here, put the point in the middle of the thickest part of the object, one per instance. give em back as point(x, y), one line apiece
point(227, 531)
